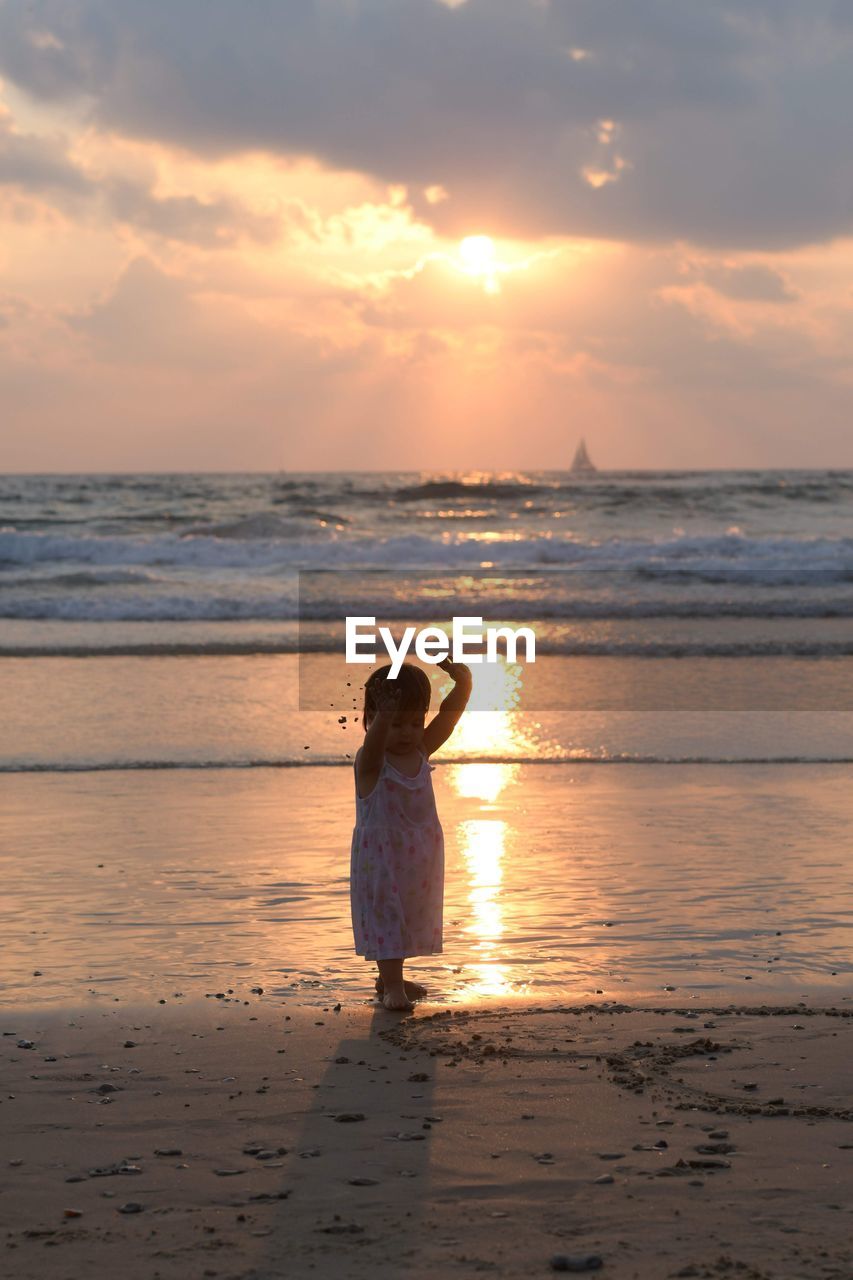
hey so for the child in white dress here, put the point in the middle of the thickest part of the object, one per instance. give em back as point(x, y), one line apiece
point(397, 853)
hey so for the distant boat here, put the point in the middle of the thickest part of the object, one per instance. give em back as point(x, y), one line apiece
point(582, 464)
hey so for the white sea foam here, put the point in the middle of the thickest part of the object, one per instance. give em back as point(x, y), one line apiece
point(207, 548)
point(415, 551)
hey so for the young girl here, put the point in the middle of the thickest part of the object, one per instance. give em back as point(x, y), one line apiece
point(397, 855)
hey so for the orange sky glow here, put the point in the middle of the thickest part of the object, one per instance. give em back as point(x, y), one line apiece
point(170, 304)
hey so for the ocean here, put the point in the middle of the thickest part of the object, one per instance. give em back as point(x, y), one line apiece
point(176, 709)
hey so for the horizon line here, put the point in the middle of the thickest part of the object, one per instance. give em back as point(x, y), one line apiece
point(442, 471)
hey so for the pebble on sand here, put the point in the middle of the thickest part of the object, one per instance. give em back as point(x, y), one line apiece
point(576, 1262)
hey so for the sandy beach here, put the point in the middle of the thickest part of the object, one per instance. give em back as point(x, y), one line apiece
point(243, 1136)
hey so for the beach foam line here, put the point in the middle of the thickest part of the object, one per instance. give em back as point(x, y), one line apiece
point(816, 649)
point(123, 766)
point(731, 553)
point(276, 607)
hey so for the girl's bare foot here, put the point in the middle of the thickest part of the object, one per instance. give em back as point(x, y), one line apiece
point(414, 990)
point(396, 998)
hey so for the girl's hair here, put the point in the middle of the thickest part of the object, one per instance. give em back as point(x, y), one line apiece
point(413, 683)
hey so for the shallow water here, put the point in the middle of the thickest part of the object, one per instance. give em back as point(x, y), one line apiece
point(562, 883)
point(241, 710)
point(162, 695)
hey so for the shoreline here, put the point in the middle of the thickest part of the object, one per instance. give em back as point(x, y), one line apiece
point(561, 884)
point(567, 1129)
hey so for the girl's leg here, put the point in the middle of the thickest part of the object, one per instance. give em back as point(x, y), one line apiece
point(414, 990)
point(394, 997)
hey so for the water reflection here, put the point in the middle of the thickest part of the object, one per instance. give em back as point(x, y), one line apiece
point(481, 781)
point(496, 689)
point(482, 844)
point(482, 841)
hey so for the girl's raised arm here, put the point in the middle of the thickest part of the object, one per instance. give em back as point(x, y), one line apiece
point(447, 717)
point(371, 754)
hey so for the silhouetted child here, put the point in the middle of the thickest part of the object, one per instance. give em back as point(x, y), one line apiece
point(397, 856)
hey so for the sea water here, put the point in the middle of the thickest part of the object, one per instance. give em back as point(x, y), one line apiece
point(176, 709)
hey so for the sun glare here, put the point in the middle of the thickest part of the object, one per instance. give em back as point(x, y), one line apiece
point(478, 255)
point(477, 258)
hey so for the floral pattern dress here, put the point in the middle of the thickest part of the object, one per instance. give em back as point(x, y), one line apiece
point(397, 867)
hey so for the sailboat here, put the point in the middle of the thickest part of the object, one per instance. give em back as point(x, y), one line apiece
point(582, 464)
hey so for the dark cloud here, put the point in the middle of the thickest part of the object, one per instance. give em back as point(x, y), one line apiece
point(752, 282)
point(39, 165)
point(732, 114)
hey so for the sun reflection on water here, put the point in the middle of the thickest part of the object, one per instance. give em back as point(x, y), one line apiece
point(492, 731)
point(481, 781)
point(483, 839)
point(482, 843)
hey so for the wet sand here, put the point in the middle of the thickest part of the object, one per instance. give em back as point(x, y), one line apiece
point(562, 884)
point(242, 1135)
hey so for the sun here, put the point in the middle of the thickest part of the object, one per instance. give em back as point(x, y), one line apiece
point(477, 254)
point(477, 257)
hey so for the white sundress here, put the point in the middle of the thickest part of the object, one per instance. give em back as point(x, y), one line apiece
point(397, 867)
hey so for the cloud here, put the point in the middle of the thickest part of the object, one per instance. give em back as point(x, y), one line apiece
point(43, 166)
point(750, 282)
point(207, 223)
point(13, 310)
point(153, 318)
point(730, 117)
point(164, 372)
point(625, 316)
point(38, 165)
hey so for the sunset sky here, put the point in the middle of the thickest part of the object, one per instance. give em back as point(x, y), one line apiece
point(260, 234)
